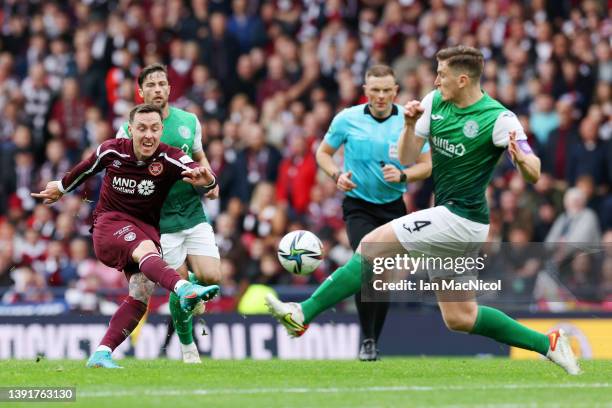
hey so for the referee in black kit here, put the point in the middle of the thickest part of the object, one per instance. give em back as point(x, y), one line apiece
point(373, 178)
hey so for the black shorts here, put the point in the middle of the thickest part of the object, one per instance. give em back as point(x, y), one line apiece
point(361, 216)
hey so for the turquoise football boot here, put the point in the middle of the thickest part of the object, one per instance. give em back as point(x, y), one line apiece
point(191, 294)
point(102, 359)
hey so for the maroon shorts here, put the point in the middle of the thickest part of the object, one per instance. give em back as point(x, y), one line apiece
point(116, 235)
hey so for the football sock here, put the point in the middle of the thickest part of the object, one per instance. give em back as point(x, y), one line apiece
point(122, 323)
point(380, 315)
point(183, 321)
point(372, 317)
point(158, 271)
point(344, 282)
point(499, 326)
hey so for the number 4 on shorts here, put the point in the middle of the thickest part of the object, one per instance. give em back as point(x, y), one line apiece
point(417, 226)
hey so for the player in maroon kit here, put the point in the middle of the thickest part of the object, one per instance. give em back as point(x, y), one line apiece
point(139, 174)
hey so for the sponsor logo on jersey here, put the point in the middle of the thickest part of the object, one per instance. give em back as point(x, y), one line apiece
point(116, 164)
point(437, 117)
point(184, 132)
point(156, 168)
point(470, 129)
point(130, 236)
point(122, 231)
point(146, 187)
point(186, 159)
point(447, 148)
point(124, 185)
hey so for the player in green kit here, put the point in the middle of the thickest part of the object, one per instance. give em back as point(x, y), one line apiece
point(468, 131)
point(186, 236)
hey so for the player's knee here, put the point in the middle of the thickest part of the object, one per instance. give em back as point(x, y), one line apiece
point(145, 247)
point(212, 276)
point(460, 320)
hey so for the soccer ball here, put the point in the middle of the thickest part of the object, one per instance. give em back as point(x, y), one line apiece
point(300, 252)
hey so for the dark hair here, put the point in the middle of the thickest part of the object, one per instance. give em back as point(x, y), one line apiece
point(463, 58)
point(379, 70)
point(149, 69)
point(145, 108)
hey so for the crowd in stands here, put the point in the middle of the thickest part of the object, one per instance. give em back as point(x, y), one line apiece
point(265, 79)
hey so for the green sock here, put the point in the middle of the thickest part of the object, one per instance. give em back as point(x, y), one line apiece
point(499, 326)
point(344, 282)
point(183, 321)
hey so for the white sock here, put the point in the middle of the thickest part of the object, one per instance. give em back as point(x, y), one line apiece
point(179, 284)
point(104, 348)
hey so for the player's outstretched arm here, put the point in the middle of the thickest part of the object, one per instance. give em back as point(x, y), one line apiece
point(200, 177)
point(201, 158)
point(73, 178)
point(409, 145)
point(50, 194)
point(526, 161)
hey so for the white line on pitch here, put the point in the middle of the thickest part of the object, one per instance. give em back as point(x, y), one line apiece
point(333, 390)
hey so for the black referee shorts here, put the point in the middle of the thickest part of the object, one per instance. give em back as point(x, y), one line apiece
point(361, 217)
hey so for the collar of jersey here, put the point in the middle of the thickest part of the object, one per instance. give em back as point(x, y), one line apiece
point(366, 111)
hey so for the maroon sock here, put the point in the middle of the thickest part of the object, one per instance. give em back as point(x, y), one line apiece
point(122, 323)
point(158, 271)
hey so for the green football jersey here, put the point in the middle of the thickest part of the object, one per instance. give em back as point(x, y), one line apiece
point(183, 207)
point(466, 144)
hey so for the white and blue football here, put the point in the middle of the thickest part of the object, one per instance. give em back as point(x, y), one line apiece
point(300, 252)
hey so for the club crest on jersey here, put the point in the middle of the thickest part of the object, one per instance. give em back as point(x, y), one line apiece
point(470, 129)
point(184, 132)
point(156, 168)
point(130, 236)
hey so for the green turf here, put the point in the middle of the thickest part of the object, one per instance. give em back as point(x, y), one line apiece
point(393, 382)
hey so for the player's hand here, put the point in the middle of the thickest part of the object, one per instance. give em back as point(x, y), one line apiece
point(199, 176)
point(345, 183)
point(50, 194)
point(516, 154)
point(413, 111)
point(213, 194)
point(391, 173)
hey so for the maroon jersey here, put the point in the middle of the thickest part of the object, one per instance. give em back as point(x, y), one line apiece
point(130, 186)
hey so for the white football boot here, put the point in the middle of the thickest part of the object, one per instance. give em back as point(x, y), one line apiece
point(290, 315)
point(560, 352)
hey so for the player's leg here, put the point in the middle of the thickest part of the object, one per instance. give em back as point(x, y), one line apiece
point(123, 321)
point(151, 264)
point(175, 254)
point(358, 223)
point(468, 317)
point(345, 281)
point(203, 254)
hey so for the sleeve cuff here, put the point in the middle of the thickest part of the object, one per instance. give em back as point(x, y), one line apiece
point(60, 187)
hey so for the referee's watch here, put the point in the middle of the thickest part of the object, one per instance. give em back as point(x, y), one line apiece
point(403, 178)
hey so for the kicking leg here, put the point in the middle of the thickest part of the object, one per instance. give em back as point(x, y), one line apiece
point(345, 281)
point(157, 270)
point(468, 317)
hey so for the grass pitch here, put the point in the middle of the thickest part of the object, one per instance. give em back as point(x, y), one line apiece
point(393, 382)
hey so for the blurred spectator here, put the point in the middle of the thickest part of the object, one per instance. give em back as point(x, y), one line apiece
point(559, 141)
point(67, 117)
point(245, 27)
point(578, 224)
point(589, 156)
point(258, 161)
point(220, 50)
point(296, 176)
